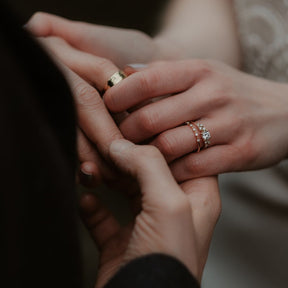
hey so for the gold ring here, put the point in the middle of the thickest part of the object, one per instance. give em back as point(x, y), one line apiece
point(195, 130)
point(205, 134)
point(115, 79)
point(202, 135)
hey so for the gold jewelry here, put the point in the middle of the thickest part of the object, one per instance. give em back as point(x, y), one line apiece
point(205, 135)
point(115, 79)
point(196, 133)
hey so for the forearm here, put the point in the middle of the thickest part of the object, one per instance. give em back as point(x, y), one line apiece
point(199, 29)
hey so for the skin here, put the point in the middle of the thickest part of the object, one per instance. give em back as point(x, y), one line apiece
point(217, 40)
point(244, 120)
point(164, 204)
point(237, 108)
point(168, 210)
point(95, 52)
point(245, 141)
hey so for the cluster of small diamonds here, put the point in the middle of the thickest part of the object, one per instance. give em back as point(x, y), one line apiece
point(196, 133)
point(205, 134)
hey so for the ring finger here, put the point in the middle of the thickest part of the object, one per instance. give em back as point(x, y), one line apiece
point(182, 140)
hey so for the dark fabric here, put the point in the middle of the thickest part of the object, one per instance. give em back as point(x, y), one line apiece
point(153, 271)
point(39, 246)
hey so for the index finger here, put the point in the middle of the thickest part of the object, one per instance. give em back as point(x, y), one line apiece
point(93, 117)
point(156, 80)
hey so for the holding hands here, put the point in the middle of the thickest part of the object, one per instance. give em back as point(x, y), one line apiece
point(239, 118)
point(177, 220)
point(163, 203)
point(245, 116)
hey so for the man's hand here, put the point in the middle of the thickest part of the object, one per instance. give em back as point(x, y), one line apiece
point(173, 220)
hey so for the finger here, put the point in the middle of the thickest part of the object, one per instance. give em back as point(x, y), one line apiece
point(93, 117)
point(76, 33)
point(182, 140)
point(204, 198)
point(89, 174)
point(93, 69)
point(161, 79)
point(211, 161)
point(98, 219)
point(149, 167)
point(170, 112)
point(43, 24)
point(93, 168)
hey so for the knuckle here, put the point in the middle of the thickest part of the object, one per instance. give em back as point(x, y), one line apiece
point(148, 121)
point(86, 95)
point(165, 144)
point(193, 165)
point(204, 67)
point(98, 64)
point(220, 95)
point(145, 81)
point(111, 101)
point(212, 202)
point(248, 153)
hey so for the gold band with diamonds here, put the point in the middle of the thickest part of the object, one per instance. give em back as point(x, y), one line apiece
point(205, 135)
point(194, 129)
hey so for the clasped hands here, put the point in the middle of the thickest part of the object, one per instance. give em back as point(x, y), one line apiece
point(243, 119)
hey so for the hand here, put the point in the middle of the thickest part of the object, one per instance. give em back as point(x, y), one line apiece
point(121, 46)
point(174, 220)
point(246, 116)
point(97, 128)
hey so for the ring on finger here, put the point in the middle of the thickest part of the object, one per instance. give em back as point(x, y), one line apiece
point(202, 134)
point(115, 79)
point(195, 130)
point(205, 135)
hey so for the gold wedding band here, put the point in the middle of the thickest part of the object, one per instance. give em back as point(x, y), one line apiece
point(115, 79)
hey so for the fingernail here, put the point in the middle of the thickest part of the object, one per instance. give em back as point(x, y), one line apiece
point(85, 177)
point(137, 65)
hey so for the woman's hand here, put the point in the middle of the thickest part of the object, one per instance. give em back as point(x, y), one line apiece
point(245, 115)
point(121, 46)
point(174, 220)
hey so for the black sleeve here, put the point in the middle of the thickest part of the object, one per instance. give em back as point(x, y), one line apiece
point(38, 238)
point(153, 271)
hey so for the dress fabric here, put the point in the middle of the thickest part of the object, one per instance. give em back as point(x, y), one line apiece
point(250, 247)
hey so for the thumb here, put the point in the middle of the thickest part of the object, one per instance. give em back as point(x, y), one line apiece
point(147, 165)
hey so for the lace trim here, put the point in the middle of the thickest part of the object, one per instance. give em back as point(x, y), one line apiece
point(263, 27)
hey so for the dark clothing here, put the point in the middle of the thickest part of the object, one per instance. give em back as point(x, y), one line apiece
point(39, 241)
point(153, 271)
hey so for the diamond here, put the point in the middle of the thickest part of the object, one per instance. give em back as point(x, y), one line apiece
point(206, 135)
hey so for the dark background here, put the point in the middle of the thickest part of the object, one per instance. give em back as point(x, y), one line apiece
point(140, 15)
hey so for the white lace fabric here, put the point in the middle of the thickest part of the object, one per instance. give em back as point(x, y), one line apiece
point(263, 27)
